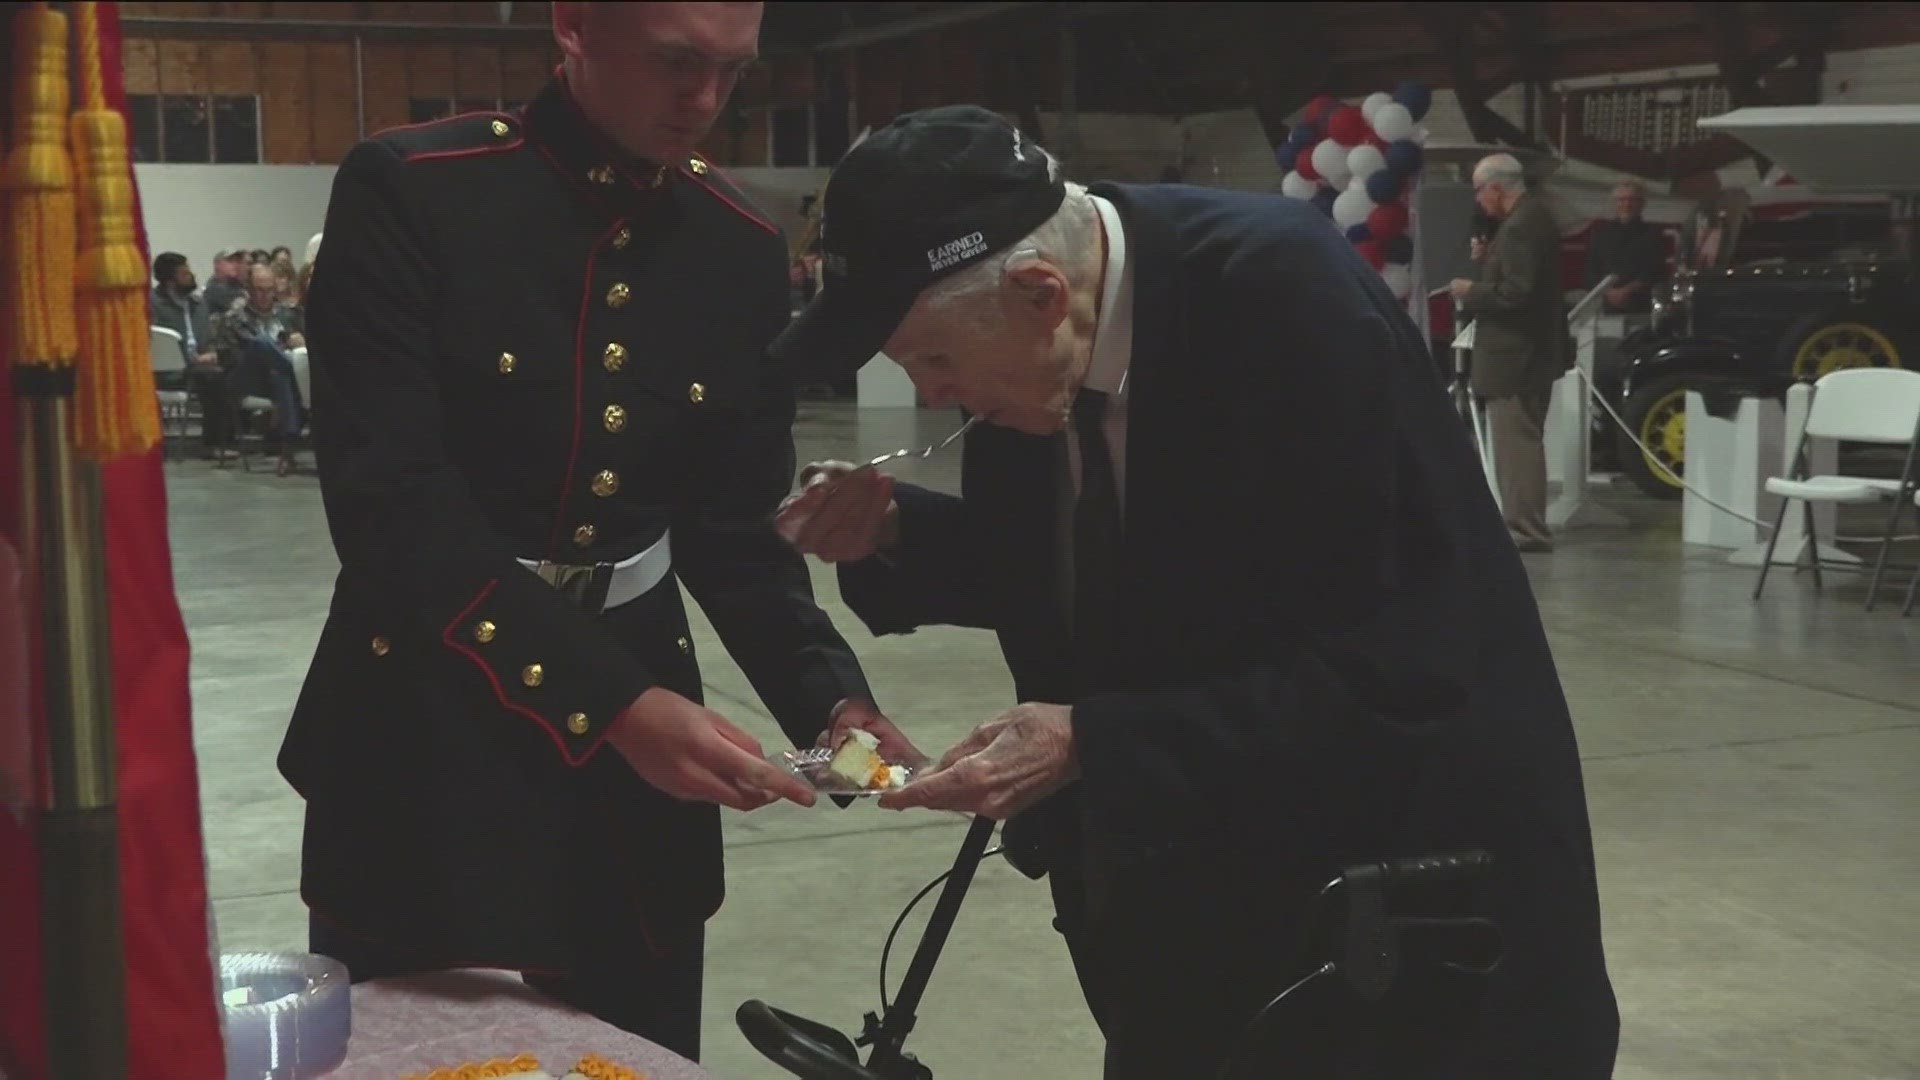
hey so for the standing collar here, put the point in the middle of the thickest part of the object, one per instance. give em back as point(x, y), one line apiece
point(555, 123)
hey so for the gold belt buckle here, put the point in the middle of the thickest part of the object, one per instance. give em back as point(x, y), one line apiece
point(584, 585)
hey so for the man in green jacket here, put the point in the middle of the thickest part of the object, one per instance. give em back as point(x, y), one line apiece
point(1520, 342)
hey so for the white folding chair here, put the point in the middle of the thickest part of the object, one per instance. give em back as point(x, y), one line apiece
point(1864, 405)
point(1913, 585)
point(169, 357)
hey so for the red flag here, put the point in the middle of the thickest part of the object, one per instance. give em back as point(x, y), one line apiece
point(172, 1017)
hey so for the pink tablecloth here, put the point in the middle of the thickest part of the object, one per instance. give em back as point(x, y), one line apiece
point(403, 1026)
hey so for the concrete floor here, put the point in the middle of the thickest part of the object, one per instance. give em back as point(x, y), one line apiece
point(1753, 770)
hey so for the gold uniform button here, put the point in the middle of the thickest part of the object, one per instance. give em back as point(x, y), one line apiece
point(583, 536)
point(618, 296)
point(622, 238)
point(615, 418)
point(381, 646)
point(696, 393)
point(606, 482)
point(685, 645)
point(533, 675)
point(601, 174)
point(615, 357)
point(699, 167)
point(500, 128)
point(508, 362)
point(577, 723)
point(484, 632)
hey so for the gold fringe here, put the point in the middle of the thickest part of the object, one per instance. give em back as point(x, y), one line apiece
point(37, 180)
point(116, 410)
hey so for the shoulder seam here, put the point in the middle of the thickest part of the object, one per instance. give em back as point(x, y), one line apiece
point(714, 191)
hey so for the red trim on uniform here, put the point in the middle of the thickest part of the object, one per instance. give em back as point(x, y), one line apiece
point(579, 386)
point(573, 178)
point(715, 192)
point(476, 151)
point(442, 120)
point(452, 641)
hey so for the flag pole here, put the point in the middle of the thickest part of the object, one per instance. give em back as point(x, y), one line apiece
point(85, 976)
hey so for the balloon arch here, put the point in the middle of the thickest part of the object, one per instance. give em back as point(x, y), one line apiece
point(1358, 164)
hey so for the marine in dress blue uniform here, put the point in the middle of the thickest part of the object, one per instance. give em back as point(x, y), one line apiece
point(540, 388)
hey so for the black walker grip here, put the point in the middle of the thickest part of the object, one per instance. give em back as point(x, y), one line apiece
point(805, 1048)
point(1441, 869)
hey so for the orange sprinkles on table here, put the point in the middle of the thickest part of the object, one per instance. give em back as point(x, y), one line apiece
point(591, 1067)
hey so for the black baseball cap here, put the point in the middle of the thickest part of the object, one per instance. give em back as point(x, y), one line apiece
point(930, 194)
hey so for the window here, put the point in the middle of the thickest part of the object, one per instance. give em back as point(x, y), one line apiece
point(195, 129)
point(423, 110)
point(792, 135)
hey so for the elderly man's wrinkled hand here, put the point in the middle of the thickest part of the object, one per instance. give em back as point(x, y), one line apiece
point(1005, 766)
point(843, 513)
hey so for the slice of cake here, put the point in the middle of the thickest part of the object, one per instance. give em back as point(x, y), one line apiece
point(857, 762)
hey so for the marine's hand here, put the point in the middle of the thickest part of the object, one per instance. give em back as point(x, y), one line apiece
point(841, 514)
point(1005, 766)
point(895, 747)
point(693, 753)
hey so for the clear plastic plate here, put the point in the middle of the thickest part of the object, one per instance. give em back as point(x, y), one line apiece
point(811, 766)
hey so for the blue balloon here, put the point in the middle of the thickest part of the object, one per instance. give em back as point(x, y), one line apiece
point(1404, 158)
point(1360, 233)
point(1399, 249)
point(1284, 156)
point(1418, 99)
point(1303, 134)
point(1323, 199)
point(1383, 187)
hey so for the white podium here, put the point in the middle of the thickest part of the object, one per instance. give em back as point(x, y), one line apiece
point(1729, 460)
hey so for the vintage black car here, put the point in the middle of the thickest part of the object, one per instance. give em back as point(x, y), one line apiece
point(1802, 298)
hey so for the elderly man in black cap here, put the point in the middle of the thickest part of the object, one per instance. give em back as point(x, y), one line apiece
point(1242, 665)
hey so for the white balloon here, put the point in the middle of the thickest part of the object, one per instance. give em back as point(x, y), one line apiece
point(1399, 279)
point(1373, 103)
point(1365, 160)
point(1393, 122)
point(1295, 186)
point(1352, 207)
point(1330, 160)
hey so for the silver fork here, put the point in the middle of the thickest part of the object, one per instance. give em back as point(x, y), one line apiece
point(925, 453)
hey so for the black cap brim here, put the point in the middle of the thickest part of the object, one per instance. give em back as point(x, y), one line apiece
point(843, 328)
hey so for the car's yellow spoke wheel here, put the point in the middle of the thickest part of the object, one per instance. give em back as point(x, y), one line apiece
point(1663, 430)
point(1841, 346)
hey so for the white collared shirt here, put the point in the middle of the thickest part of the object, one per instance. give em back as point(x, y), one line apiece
point(1107, 373)
point(1112, 355)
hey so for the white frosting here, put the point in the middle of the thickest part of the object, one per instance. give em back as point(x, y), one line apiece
point(896, 776)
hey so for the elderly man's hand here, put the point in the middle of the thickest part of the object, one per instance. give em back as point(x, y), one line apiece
point(1004, 767)
point(1460, 287)
point(843, 513)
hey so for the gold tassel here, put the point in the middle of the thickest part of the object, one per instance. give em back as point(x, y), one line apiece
point(116, 410)
point(37, 180)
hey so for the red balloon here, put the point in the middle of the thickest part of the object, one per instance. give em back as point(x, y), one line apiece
point(1319, 107)
point(1387, 222)
point(1347, 126)
point(1370, 251)
point(1304, 165)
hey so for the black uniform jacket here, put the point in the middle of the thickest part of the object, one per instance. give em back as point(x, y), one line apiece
point(1328, 654)
point(527, 347)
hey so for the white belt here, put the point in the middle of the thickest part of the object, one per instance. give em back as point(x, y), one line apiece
point(629, 579)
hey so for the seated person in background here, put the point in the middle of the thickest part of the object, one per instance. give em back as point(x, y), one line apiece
point(229, 282)
point(179, 309)
point(252, 340)
point(1631, 249)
